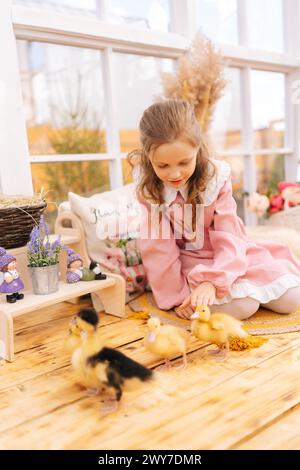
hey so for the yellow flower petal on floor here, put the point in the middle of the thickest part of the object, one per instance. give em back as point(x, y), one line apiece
point(143, 315)
point(250, 342)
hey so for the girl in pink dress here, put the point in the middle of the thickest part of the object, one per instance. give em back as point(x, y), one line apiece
point(226, 270)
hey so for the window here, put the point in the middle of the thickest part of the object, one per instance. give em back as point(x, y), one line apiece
point(56, 179)
point(270, 170)
point(142, 14)
point(237, 179)
point(75, 7)
point(265, 24)
point(62, 73)
point(126, 168)
point(137, 85)
point(63, 98)
point(64, 106)
point(268, 120)
point(226, 125)
point(218, 20)
point(226, 133)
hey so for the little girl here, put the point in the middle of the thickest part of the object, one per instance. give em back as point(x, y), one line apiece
point(229, 272)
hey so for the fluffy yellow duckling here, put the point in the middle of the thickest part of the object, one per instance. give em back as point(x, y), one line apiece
point(73, 341)
point(217, 328)
point(166, 341)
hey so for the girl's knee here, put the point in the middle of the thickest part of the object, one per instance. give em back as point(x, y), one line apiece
point(293, 305)
point(279, 308)
point(288, 302)
point(286, 308)
point(244, 308)
point(240, 309)
point(293, 300)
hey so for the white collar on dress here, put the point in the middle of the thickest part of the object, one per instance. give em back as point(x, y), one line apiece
point(212, 190)
point(171, 193)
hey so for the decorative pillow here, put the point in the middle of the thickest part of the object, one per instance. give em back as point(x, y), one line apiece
point(111, 225)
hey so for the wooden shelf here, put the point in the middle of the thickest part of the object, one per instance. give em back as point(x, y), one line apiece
point(109, 294)
point(65, 292)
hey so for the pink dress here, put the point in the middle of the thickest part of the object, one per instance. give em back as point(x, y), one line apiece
point(238, 267)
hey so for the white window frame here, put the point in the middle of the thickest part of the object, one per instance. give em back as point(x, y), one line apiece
point(66, 29)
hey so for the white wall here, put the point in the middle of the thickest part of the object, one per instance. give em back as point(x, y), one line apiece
point(15, 176)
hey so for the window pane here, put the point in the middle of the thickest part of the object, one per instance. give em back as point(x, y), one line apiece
point(57, 179)
point(137, 83)
point(63, 97)
point(267, 93)
point(218, 20)
point(76, 7)
point(142, 14)
point(127, 176)
point(269, 171)
point(226, 126)
point(265, 24)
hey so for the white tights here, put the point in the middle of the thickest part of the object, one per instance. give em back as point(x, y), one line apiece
point(245, 307)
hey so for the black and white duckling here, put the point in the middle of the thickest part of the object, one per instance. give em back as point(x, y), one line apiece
point(101, 367)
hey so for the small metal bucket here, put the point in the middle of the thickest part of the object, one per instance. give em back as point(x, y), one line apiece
point(45, 280)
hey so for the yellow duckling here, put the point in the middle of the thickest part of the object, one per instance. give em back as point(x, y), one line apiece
point(166, 341)
point(217, 328)
point(73, 341)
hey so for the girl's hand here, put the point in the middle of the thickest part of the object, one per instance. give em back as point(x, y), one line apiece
point(185, 310)
point(204, 294)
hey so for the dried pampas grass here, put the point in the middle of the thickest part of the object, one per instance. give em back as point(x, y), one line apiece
point(198, 80)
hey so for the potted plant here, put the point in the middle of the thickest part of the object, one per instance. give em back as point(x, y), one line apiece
point(43, 259)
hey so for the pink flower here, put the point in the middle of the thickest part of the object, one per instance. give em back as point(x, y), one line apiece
point(285, 184)
point(257, 203)
point(291, 196)
point(288, 196)
point(276, 204)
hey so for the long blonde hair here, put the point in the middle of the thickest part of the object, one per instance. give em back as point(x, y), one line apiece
point(161, 123)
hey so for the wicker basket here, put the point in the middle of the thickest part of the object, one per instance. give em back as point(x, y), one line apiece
point(287, 218)
point(16, 223)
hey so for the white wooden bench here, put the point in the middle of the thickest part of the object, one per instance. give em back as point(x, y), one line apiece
point(107, 294)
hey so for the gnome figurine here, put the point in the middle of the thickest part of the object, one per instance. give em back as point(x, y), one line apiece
point(95, 268)
point(10, 282)
point(74, 267)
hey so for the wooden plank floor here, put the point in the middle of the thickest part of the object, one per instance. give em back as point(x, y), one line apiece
point(251, 401)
